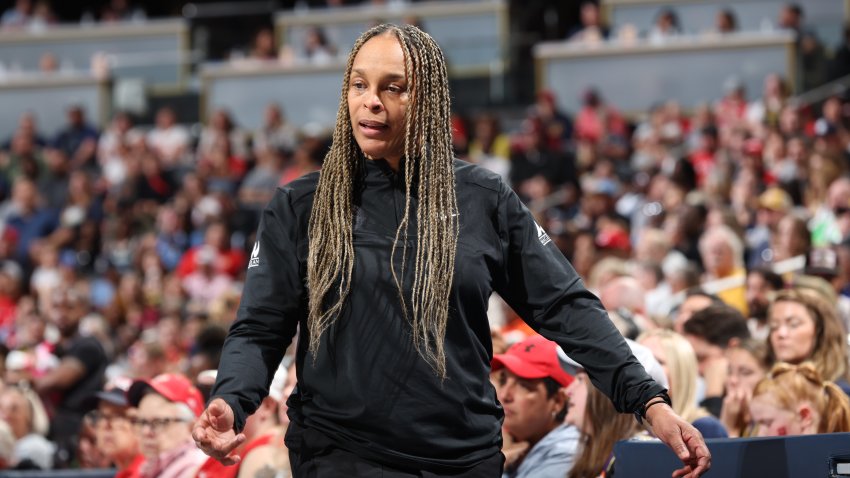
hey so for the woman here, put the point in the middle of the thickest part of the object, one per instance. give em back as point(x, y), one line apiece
point(384, 262)
point(601, 426)
point(676, 355)
point(805, 327)
point(794, 400)
point(747, 366)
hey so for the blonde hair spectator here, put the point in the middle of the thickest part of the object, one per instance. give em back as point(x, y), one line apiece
point(795, 400)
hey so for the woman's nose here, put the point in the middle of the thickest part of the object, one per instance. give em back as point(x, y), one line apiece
point(373, 102)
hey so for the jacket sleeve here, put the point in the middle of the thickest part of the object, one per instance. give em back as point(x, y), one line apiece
point(268, 312)
point(543, 288)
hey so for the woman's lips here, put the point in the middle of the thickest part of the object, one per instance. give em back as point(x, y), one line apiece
point(372, 128)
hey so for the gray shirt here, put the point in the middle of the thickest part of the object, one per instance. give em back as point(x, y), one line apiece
point(551, 457)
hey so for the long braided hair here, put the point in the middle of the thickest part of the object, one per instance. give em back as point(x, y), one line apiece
point(429, 156)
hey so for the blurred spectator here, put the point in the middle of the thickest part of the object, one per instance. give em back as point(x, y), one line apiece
point(167, 406)
point(711, 331)
point(264, 47)
point(596, 123)
point(221, 128)
point(773, 205)
point(722, 254)
point(840, 66)
point(530, 384)
point(726, 21)
point(537, 169)
point(676, 355)
point(762, 283)
point(206, 282)
point(48, 63)
point(830, 223)
point(557, 125)
point(28, 219)
point(258, 187)
point(812, 58)
point(168, 140)
point(731, 110)
point(122, 11)
point(307, 158)
point(114, 148)
point(78, 140)
point(78, 375)
point(765, 110)
point(490, 147)
point(666, 26)
point(318, 49)
point(747, 366)
point(792, 238)
point(591, 30)
point(24, 158)
point(114, 434)
point(21, 408)
point(228, 260)
point(11, 289)
point(17, 16)
point(276, 134)
point(600, 424)
point(795, 400)
point(805, 327)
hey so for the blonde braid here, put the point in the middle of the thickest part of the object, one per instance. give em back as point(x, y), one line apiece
point(429, 160)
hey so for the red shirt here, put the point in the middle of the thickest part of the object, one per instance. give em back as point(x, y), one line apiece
point(132, 471)
point(213, 468)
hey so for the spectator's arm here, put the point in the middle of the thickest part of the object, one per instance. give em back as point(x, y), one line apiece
point(69, 371)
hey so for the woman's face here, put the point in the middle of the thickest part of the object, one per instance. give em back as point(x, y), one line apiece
point(529, 411)
point(772, 420)
point(744, 369)
point(378, 97)
point(792, 332)
point(577, 396)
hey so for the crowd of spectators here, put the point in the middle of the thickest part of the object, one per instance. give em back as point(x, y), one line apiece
point(718, 238)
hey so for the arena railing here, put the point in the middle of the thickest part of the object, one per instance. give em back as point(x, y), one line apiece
point(155, 51)
point(688, 69)
point(823, 455)
point(698, 16)
point(472, 34)
point(49, 95)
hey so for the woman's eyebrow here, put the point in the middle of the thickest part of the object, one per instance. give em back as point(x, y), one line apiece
point(388, 76)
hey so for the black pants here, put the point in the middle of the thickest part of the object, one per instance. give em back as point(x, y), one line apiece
point(312, 455)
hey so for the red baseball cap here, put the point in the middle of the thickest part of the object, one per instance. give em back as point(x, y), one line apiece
point(174, 387)
point(534, 357)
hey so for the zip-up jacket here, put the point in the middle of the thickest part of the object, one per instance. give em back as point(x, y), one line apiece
point(368, 390)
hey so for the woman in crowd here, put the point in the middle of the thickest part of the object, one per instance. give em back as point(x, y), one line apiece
point(805, 327)
point(601, 426)
point(676, 355)
point(795, 400)
point(747, 366)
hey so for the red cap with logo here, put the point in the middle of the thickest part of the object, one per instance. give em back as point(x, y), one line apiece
point(174, 387)
point(534, 357)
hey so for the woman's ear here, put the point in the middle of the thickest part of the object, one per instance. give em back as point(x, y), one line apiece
point(807, 417)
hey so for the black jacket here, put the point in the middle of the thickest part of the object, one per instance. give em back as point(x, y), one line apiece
point(368, 390)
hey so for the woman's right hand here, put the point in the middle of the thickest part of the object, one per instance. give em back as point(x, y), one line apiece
point(214, 434)
point(735, 408)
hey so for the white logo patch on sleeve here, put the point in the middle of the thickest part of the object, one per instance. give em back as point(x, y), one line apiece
point(255, 256)
point(541, 235)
